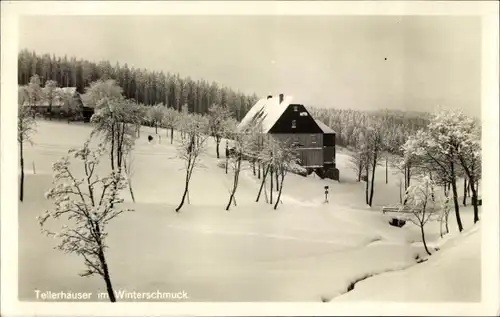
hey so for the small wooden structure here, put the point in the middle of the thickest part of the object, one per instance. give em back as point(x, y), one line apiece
point(292, 123)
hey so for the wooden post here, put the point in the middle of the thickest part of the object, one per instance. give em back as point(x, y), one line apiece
point(34, 170)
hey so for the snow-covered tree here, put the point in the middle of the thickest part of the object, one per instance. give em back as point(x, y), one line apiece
point(445, 212)
point(241, 145)
point(218, 117)
point(50, 94)
point(101, 89)
point(155, 115)
point(35, 93)
point(170, 119)
point(422, 205)
point(460, 136)
point(86, 206)
point(449, 149)
point(25, 128)
point(191, 147)
point(358, 157)
point(284, 159)
point(71, 105)
point(370, 148)
point(115, 120)
point(128, 166)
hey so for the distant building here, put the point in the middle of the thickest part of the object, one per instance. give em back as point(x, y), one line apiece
point(292, 123)
point(66, 103)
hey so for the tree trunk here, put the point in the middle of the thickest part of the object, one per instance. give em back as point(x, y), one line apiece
point(104, 266)
point(129, 181)
point(279, 193)
point(271, 188)
point(21, 183)
point(235, 182)
point(367, 184)
point(423, 239)
point(156, 127)
point(406, 180)
point(217, 141)
point(455, 199)
point(400, 192)
point(171, 135)
point(441, 226)
point(408, 175)
point(386, 173)
point(50, 110)
point(262, 183)
point(112, 152)
point(465, 192)
point(253, 167)
point(373, 179)
point(258, 170)
point(474, 202)
point(277, 181)
point(186, 188)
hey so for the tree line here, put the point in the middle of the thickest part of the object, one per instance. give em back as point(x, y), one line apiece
point(143, 86)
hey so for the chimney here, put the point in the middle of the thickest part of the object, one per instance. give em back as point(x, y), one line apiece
point(281, 98)
point(269, 97)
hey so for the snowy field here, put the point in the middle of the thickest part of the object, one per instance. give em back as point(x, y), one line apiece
point(304, 251)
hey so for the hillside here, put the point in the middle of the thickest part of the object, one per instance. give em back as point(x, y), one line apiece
point(303, 251)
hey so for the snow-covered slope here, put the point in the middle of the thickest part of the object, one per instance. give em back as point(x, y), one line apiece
point(452, 274)
point(304, 251)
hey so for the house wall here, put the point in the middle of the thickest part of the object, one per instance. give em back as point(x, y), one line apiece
point(329, 148)
point(309, 147)
point(295, 119)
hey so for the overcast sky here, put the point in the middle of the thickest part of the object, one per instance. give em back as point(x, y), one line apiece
point(412, 63)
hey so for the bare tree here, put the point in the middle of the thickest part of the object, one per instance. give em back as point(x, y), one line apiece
point(466, 143)
point(357, 163)
point(428, 148)
point(128, 166)
point(285, 159)
point(115, 120)
point(35, 93)
point(191, 147)
point(376, 147)
point(170, 119)
point(218, 117)
point(242, 142)
point(445, 212)
point(421, 205)
point(155, 115)
point(50, 94)
point(25, 128)
point(86, 206)
point(370, 151)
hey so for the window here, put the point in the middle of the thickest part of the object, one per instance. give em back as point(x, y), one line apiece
point(295, 108)
point(313, 139)
point(294, 124)
point(303, 114)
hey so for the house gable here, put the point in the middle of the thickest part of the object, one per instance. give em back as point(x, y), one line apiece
point(295, 119)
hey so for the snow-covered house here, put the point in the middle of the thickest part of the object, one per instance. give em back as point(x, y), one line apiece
point(63, 98)
point(291, 122)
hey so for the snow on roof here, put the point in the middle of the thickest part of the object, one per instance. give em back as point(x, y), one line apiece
point(68, 90)
point(324, 127)
point(266, 112)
